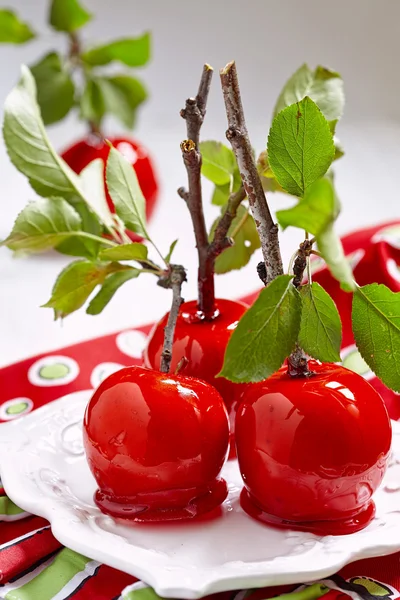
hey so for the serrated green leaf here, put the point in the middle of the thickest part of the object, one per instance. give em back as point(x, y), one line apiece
point(218, 162)
point(323, 86)
point(321, 329)
point(43, 224)
point(125, 192)
point(55, 88)
point(111, 285)
point(376, 328)
point(133, 251)
point(92, 103)
point(75, 284)
point(265, 335)
point(12, 29)
point(300, 146)
point(28, 146)
point(68, 15)
point(122, 95)
point(82, 246)
point(314, 212)
point(246, 241)
point(134, 52)
point(170, 251)
point(331, 249)
point(92, 183)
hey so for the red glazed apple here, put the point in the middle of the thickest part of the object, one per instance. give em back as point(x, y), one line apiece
point(156, 444)
point(203, 343)
point(312, 450)
point(84, 152)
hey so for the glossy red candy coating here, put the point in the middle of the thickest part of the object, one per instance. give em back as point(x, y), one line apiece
point(312, 450)
point(79, 155)
point(203, 343)
point(156, 444)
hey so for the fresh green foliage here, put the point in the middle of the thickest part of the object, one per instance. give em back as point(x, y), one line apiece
point(321, 329)
point(168, 257)
point(323, 86)
point(132, 251)
point(122, 95)
point(92, 105)
point(55, 88)
point(75, 284)
point(44, 224)
point(246, 241)
point(68, 15)
point(218, 162)
point(12, 29)
point(133, 52)
point(300, 146)
point(315, 211)
point(28, 145)
point(265, 335)
point(125, 193)
point(85, 246)
point(93, 191)
point(222, 192)
point(376, 327)
point(331, 249)
point(107, 291)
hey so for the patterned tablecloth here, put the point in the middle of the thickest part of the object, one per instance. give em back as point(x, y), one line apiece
point(34, 565)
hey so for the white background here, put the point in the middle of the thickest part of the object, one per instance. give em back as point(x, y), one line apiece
point(269, 40)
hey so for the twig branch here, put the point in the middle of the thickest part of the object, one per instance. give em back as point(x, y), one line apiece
point(176, 279)
point(239, 138)
point(194, 113)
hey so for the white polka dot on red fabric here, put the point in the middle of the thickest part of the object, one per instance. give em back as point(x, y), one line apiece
point(132, 343)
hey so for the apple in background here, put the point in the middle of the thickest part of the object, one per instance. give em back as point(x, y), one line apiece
point(156, 444)
point(203, 343)
point(313, 450)
point(80, 154)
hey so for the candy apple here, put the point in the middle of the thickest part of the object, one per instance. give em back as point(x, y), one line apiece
point(203, 343)
point(313, 450)
point(156, 444)
point(79, 155)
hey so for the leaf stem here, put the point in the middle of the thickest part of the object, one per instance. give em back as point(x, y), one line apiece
point(101, 240)
point(239, 138)
point(177, 277)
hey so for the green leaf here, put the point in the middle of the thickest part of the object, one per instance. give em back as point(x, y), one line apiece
point(323, 86)
point(133, 52)
point(170, 251)
point(55, 88)
point(125, 192)
point(221, 194)
point(75, 284)
point(246, 241)
point(376, 328)
point(315, 211)
point(83, 246)
point(300, 146)
point(108, 289)
point(92, 183)
point(331, 249)
point(43, 224)
point(92, 103)
point(218, 162)
point(68, 15)
point(12, 29)
point(321, 329)
point(267, 176)
point(122, 96)
point(132, 251)
point(28, 146)
point(265, 335)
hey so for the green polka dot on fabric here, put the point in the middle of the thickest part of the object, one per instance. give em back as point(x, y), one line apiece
point(55, 371)
point(17, 409)
point(355, 362)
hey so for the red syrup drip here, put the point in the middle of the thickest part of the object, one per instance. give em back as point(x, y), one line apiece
point(203, 342)
point(348, 524)
point(171, 505)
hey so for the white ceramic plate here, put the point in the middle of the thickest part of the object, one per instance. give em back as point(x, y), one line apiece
point(44, 471)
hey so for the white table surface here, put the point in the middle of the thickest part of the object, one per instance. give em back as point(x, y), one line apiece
point(363, 45)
